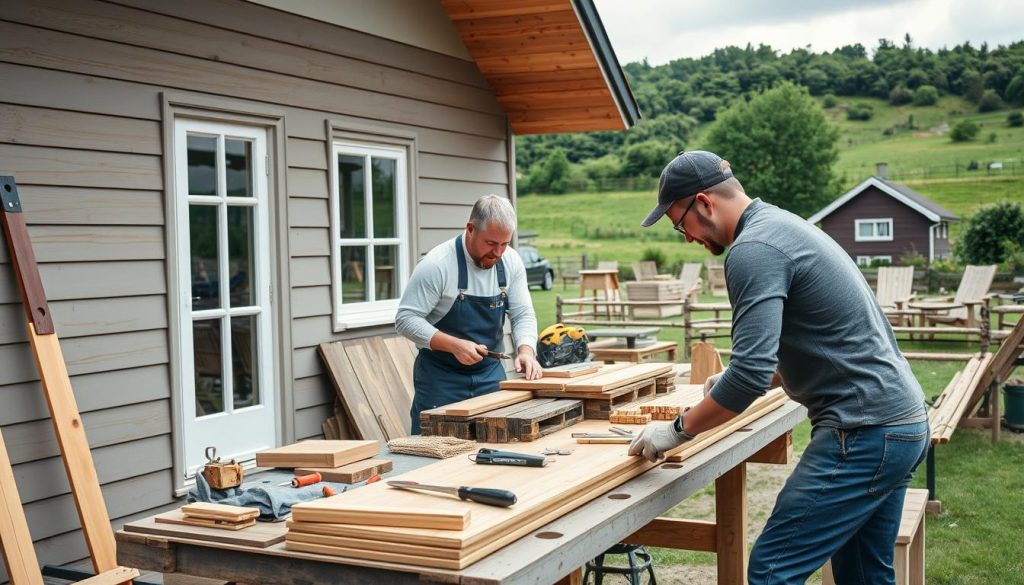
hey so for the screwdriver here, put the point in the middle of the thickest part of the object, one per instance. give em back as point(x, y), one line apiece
point(489, 496)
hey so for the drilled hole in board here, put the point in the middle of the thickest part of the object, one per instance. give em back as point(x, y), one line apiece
point(548, 535)
point(671, 466)
point(743, 430)
point(619, 497)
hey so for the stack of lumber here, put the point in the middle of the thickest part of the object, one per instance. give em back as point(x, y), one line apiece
point(610, 387)
point(373, 522)
point(950, 406)
point(666, 407)
point(211, 515)
point(351, 473)
point(527, 421)
point(656, 290)
point(456, 419)
point(317, 453)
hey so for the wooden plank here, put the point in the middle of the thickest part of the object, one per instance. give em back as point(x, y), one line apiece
point(262, 535)
point(216, 511)
point(186, 520)
point(778, 452)
point(705, 361)
point(351, 473)
point(373, 372)
point(296, 535)
point(571, 370)
point(731, 525)
point(58, 128)
point(15, 540)
point(317, 454)
point(114, 576)
point(434, 516)
point(609, 375)
point(65, 52)
point(699, 535)
point(484, 403)
point(527, 421)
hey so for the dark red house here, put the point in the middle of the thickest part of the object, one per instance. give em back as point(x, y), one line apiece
point(882, 220)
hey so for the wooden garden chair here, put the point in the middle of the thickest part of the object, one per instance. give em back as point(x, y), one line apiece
point(963, 308)
point(894, 290)
point(608, 265)
point(690, 277)
point(645, 270)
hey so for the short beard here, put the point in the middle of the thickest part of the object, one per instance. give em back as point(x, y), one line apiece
point(709, 228)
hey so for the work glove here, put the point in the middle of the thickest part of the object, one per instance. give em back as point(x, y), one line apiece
point(654, 439)
point(712, 380)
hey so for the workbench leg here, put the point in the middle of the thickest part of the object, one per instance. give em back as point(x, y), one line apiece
point(934, 506)
point(574, 578)
point(996, 422)
point(731, 521)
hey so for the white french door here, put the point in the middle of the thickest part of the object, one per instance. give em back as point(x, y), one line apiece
point(223, 257)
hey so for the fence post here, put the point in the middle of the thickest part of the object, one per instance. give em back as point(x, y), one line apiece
point(583, 261)
point(558, 308)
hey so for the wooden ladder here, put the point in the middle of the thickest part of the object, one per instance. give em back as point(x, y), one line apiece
point(18, 552)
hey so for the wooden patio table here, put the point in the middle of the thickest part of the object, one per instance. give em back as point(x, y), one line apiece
point(553, 553)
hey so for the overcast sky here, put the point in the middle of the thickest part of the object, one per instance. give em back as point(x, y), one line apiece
point(663, 30)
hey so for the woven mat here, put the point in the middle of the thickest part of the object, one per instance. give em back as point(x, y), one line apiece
point(438, 447)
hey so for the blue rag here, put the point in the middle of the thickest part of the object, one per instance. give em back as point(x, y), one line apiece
point(273, 501)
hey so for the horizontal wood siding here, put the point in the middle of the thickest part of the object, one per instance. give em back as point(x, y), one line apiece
point(81, 130)
point(909, 228)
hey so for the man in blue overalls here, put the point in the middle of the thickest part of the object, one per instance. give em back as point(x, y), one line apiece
point(454, 310)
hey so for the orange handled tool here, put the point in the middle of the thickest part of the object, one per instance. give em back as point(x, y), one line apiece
point(303, 480)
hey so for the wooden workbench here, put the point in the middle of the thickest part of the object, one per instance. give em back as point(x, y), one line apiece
point(546, 555)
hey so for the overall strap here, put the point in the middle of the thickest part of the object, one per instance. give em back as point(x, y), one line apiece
point(463, 271)
point(502, 280)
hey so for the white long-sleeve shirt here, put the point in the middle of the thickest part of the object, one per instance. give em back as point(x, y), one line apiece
point(434, 285)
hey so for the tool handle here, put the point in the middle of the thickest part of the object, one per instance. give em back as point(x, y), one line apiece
point(304, 480)
point(490, 496)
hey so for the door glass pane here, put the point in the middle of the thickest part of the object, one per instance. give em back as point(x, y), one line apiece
point(240, 255)
point(384, 207)
point(865, 230)
point(385, 260)
point(209, 378)
point(202, 165)
point(352, 201)
point(353, 281)
point(203, 242)
point(243, 360)
point(238, 167)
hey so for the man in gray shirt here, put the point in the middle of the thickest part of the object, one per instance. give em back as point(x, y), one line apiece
point(805, 318)
point(454, 310)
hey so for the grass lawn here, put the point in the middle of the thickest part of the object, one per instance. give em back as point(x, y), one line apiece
point(977, 538)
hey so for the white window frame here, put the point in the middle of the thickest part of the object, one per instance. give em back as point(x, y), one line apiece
point(191, 435)
point(372, 312)
point(874, 223)
point(867, 260)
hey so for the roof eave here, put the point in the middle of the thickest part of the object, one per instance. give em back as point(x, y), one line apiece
point(614, 75)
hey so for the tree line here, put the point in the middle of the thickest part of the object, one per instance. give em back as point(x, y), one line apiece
point(676, 97)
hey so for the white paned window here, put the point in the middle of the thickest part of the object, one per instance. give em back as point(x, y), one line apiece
point(873, 230)
point(869, 260)
point(369, 225)
point(224, 331)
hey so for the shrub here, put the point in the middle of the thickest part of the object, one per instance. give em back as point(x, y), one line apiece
point(965, 131)
point(1015, 119)
point(992, 138)
point(1014, 259)
point(655, 255)
point(901, 95)
point(913, 258)
point(926, 95)
point(990, 101)
point(860, 112)
point(984, 236)
point(829, 101)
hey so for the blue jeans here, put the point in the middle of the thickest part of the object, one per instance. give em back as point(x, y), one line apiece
point(844, 502)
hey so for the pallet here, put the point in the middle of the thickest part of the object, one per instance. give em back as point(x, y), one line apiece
point(527, 421)
point(599, 405)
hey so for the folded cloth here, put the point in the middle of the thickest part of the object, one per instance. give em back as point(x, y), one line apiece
point(273, 501)
point(434, 446)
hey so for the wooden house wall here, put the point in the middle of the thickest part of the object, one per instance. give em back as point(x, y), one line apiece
point(909, 228)
point(81, 130)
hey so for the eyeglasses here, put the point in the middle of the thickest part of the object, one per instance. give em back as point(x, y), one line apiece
point(678, 226)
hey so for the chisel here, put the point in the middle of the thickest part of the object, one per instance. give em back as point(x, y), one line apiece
point(498, 356)
point(490, 496)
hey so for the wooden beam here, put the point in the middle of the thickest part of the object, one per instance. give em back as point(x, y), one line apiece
point(731, 517)
point(573, 578)
point(114, 576)
point(779, 451)
point(699, 535)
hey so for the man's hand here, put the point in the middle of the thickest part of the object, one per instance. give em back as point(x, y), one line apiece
point(527, 363)
point(467, 352)
point(653, 440)
point(711, 381)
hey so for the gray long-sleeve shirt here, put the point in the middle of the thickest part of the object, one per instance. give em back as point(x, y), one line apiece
point(434, 284)
point(801, 306)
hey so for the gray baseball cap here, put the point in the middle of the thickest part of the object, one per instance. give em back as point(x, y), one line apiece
point(687, 174)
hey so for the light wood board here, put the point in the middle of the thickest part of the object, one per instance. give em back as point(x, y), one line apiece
point(219, 511)
point(262, 535)
point(572, 370)
point(439, 513)
point(317, 453)
point(351, 473)
point(484, 403)
point(176, 517)
point(19, 554)
point(705, 361)
point(571, 482)
point(609, 377)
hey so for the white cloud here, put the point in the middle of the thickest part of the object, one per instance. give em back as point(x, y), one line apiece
point(663, 30)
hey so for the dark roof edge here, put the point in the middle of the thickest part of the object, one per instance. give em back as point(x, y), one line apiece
point(620, 89)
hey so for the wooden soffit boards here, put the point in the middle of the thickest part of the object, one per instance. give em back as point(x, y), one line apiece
point(542, 66)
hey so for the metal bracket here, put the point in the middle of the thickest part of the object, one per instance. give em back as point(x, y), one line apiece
point(9, 194)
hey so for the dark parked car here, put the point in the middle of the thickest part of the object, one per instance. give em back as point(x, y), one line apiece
point(538, 269)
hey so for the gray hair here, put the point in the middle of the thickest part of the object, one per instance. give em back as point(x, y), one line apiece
point(494, 210)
